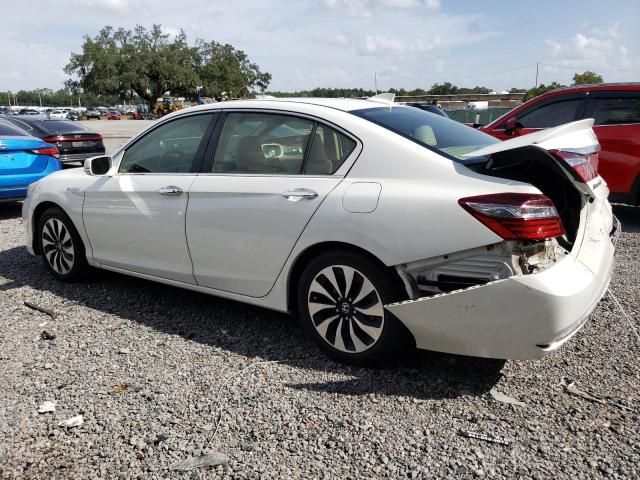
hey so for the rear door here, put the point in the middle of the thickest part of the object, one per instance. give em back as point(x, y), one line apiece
point(617, 125)
point(269, 174)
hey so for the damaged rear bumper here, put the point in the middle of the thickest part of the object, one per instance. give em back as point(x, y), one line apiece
point(522, 317)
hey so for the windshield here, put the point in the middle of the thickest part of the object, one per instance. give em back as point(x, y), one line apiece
point(445, 136)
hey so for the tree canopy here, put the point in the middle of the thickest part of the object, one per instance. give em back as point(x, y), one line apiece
point(148, 63)
point(540, 89)
point(587, 78)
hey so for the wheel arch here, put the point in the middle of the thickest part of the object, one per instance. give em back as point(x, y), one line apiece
point(304, 257)
point(35, 218)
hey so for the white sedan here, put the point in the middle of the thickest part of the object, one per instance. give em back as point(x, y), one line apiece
point(380, 226)
point(58, 114)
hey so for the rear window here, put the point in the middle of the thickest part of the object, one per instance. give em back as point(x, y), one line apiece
point(445, 136)
point(8, 130)
point(61, 126)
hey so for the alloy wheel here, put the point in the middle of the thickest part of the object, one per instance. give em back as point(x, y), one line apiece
point(346, 309)
point(57, 246)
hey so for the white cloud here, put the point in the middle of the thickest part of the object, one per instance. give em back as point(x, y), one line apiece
point(366, 8)
point(381, 45)
point(337, 39)
point(110, 6)
point(600, 48)
point(43, 62)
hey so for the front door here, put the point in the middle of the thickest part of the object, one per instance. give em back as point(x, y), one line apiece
point(269, 174)
point(135, 218)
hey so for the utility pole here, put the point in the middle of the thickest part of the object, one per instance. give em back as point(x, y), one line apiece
point(537, 67)
point(375, 81)
point(40, 98)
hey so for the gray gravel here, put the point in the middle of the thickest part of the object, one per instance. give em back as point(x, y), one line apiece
point(143, 364)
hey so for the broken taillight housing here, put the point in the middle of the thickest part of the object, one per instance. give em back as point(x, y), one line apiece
point(516, 216)
point(585, 164)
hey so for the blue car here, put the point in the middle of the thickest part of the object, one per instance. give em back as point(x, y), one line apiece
point(23, 160)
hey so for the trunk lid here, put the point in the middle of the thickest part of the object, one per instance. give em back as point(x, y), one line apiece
point(16, 155)
point(575, 138)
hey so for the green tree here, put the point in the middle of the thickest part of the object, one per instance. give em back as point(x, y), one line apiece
point(147, 63)
point(222, 68)
point(540, 89)
point(587, 78)
point(445, 88)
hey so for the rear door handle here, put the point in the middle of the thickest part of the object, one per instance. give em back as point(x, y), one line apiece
point(298, 194)
point(171, 191)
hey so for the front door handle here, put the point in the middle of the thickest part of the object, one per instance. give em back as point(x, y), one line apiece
point(171, 191)
point(298, 194)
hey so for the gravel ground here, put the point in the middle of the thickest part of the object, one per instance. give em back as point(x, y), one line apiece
point(151, 369)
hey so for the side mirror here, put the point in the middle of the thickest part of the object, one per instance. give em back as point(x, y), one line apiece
point(97, 166)
point(272, 150)
point(511, 125)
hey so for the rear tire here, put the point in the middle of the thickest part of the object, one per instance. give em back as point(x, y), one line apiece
point(341, 300)
point(60, 246)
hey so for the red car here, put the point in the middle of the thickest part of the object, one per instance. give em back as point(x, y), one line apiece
point(113, 115)
point(616, 111)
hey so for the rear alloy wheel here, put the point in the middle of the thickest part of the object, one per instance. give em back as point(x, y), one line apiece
point(346, 309)
point(342, 302)
point(60, 246)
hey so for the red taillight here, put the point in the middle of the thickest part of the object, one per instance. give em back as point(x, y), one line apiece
point(51, 151)
point(62, 138)
point(584, 164)
point(516, 216)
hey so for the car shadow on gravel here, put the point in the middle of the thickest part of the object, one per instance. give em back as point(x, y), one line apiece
point(253, 332)
point(629, 217)
point(10, 210)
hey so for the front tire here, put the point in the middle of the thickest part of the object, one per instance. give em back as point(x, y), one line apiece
point(341, 300)
point(61, 247)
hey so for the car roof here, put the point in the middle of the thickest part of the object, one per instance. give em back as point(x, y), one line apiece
point(43, 125)
point(343, 104)
point(595, 87)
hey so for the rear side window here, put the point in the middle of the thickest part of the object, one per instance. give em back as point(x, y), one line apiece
point(551, 115)
point(615, 111)
point(262, 143)
point(435, 132)
point(329, 149)
point(20, 124)
point(7, 130)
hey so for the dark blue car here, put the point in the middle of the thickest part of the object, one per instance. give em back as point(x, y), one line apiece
point(23, 160)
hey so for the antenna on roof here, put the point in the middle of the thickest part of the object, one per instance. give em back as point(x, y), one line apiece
point(384, 98)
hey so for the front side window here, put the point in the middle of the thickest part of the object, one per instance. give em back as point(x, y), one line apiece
point(170, 148)
point(615, 111)
point(262, 143)
point(451, 138)
point(550, 115)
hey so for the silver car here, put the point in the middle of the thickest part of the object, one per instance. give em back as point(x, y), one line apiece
point(381, 227)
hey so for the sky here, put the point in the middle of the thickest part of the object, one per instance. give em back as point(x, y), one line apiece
point(348, 43)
